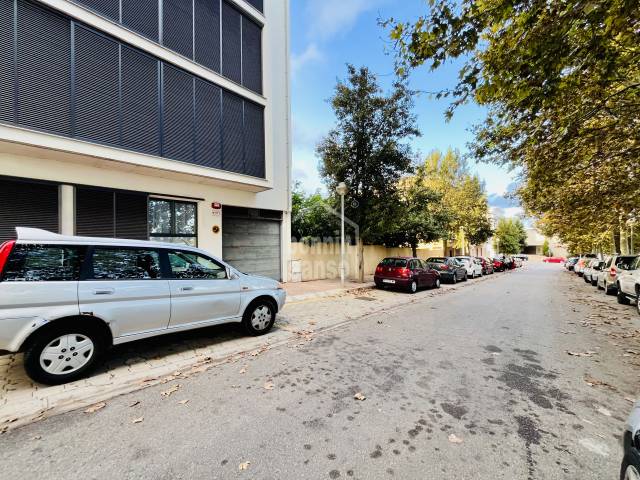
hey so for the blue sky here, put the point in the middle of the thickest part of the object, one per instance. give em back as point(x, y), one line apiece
point(327, 34)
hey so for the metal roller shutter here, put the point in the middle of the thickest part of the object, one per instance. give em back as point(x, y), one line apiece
point(208, 125)
point(177, 114)
point(231, 43)
point(27, 205)
point(131, 216)
point(252, 245)
point(44, 69)
point(207, 33)
point(258, 4)
point(141, 16)
point(254, 140)
point(94, 212)
point(177, 26)
point(233, 149)
point(7, 64)
point(108, 8)
point(97, 84)
point(140, 102)
point(251, 55)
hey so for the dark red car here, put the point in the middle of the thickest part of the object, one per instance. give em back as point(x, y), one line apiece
point(408, 273)
point(487, 265)
point(498, 265)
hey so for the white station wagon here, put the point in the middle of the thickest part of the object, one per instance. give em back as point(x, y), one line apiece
point(65, 300)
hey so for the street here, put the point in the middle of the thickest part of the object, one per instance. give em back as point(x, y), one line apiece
point(476, 382)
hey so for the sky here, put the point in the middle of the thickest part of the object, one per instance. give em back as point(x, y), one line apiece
point(328, 34)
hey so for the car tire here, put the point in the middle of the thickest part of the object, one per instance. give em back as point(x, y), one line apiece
point(413, 286)
point(465, 278)
point(454, 279)
point(259, 317)
point(436, 284)
point(65, 342)
point(622, 298)
point(638, 299)
point(608, 290)
point(628, 471)
point(594, 283)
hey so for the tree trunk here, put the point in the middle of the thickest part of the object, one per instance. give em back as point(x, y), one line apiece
point(360, 261)
point(444, 247)
point(616, 240)
point(414, 249)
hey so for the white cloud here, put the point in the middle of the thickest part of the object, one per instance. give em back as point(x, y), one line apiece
point(311, 54)
point(305, 169)
point(328, 18)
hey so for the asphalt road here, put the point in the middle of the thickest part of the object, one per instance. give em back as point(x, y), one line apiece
point(476, 384)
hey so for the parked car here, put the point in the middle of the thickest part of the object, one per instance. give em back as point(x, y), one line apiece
point(522, 257)
point(553, 260)
point(408, 273)
point(580, 266)
point(65, 300)
point(592, 267)
point(570, 263)
point(597, 271)
point(449, 268)
point(474, 268)
point(498, 264)
point(630, 468)
point(616, 263)
point(628, 284)
point(487, 265)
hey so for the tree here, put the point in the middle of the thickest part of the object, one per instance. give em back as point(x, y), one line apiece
point(561, 82)
point(545, 248)
point(311, 217)
point(368, 149)
point(419, 217)
point(510, 236)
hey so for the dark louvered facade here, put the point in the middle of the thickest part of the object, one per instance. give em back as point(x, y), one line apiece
point(61, 76)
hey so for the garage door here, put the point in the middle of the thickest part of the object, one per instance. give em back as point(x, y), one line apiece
point(252, 245)
point(26, 204)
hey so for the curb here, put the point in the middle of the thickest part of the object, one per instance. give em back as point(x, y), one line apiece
point(329, 293)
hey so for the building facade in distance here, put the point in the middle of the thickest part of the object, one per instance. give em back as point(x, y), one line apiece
point(149, 119)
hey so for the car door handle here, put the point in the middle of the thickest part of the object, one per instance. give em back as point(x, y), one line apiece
point(186, 289)
point(104, 291)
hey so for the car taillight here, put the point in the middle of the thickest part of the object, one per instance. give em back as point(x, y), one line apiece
point(613, 272)
point(444, 267)
point(378, 269)
point(404, 272)
point(5, 250)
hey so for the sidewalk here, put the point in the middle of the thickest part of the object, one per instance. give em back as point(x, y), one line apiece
point(300, 291)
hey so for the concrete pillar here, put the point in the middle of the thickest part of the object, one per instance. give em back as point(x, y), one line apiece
point(67, 209)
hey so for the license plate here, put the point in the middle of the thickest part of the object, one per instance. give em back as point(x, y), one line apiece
point(388, 281)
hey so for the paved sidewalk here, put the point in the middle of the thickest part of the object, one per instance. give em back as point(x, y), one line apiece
point(323, 288)
point(140, 364)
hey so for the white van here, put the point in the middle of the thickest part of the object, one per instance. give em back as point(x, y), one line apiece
point(64, 300)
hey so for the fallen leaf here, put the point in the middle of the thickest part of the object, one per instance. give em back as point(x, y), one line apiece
point(95, 408)
point(37, 437)
point(268, 386)
point(173, 389)
point(581, 354)
point(244, 369)
point(235, 386)
point(183, 402)
point(137, 420)
point(133, 404)
point(244, 465)
point(603, 411)
point(630, 400)
point(359, 396)
point(453, 438)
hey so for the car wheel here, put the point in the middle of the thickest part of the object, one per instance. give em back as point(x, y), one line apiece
point(465, 278)
point(413, 287)
point(436, 283)
point(594, 283)
point(63, 353)
point(622, 298)
point(259, 317)
point(628, 471)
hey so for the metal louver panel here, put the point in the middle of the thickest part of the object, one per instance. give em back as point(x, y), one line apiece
point(231, 43)
point(254, 139)
point(108, 8)
point(177, 26)
point(177, 114)
point(258, 4)
point(44, 69)
point(232, 154)
point(207, 33)
point(140, 103)
point(96, 87)
point(27, 205)
point(7, 64)
point(94, 212)
point(131, 216)
point(251, 55)
point(208, 124)
point(141, 16)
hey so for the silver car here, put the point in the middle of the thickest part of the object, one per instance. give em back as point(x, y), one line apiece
point(65, 300)
point(611, 270)
point(472, 265)
point(630, 469)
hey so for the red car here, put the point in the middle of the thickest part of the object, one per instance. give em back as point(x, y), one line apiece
point(554, 260)
point(408, 273)
point(498, 265)
point(487, 265)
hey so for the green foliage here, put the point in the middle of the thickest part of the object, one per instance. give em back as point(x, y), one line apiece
point(561, 82)
point(311, 217)
point(510, 236)
point(369, 149)
point(545, 248)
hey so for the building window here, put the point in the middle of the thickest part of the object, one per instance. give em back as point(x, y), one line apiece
point(173, 221)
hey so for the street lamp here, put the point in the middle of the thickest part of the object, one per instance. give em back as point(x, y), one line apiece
point(342, 189)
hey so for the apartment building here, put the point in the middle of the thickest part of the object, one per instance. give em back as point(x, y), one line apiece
point(149, 119)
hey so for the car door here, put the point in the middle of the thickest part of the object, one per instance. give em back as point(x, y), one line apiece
point(626, 277)
point(428, 273)
point(201, 289)
point(415, 272)
point(124, 287)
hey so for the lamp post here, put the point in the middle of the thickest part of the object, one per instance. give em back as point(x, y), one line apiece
point(342, 189)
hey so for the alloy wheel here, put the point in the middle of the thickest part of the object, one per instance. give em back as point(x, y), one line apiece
point(414, 287)
point(438, 283)
point(66, 354)
point(261, 317)
point(631, 473)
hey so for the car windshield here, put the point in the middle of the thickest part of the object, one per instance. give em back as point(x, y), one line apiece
point(394, 262)
point(436, 260)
